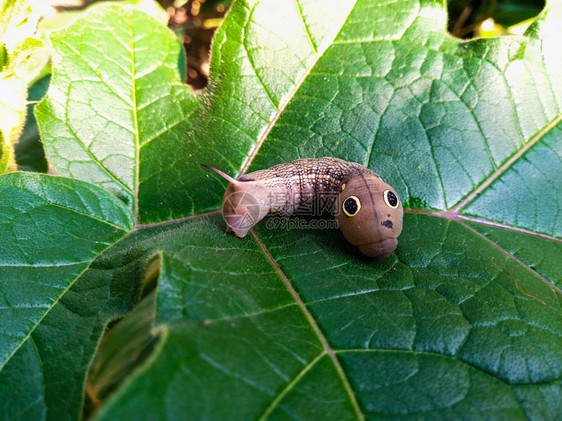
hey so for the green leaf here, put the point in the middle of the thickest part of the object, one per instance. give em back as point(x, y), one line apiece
point(540, 253)
point(517, 196)
point(115, 140)
point(124, 348)
point(138, 102)
point(464, 318)
point(30, 155)
point(66, 17)
point(230, 321)
point(51, 229)
point(5, 150)
point(12, 118)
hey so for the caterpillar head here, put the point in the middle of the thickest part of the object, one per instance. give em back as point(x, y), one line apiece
point(369, 213)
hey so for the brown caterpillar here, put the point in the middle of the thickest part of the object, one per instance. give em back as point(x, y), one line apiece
point(368, 210)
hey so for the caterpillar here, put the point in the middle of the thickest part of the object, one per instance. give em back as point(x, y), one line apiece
point(368, 211)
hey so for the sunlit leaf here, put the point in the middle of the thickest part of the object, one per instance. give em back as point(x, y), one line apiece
point(463, 318)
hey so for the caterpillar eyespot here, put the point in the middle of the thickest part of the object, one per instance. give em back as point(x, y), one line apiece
point(351, 206)
point(371, 224)
point(390, 199)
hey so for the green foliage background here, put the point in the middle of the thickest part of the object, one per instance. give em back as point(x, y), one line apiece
point(462, 320)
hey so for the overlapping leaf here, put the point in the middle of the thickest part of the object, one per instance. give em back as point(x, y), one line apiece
point(463, 318)
point(116, 96)
point(52, 228)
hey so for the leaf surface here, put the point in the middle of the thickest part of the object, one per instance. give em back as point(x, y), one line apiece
point(52, 228)
point(101, 115)
point(30, 154)
point(465, 316)
point(364, 334)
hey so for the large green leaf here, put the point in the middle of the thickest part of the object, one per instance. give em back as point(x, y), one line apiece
point(464, 318)
point(101, 115)
point(52, 229)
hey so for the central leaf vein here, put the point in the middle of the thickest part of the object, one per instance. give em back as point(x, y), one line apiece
point(314, 326)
